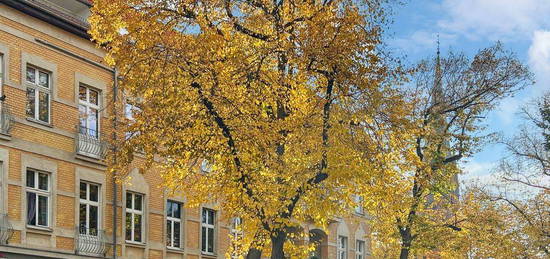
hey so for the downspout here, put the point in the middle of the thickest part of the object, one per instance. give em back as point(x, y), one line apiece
point(115, 194)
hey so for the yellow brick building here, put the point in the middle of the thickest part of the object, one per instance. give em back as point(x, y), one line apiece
point(56, 199)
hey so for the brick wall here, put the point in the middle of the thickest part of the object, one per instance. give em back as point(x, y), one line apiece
point(55, 144)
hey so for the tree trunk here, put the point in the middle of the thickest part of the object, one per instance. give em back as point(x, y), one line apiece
point(277, 245)
point(406, 240)
point(254, 253)
point(404, 253)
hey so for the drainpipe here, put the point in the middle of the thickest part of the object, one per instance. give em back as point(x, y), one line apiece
point(115, 217)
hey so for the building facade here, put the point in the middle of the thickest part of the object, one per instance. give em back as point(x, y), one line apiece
point(56, 198)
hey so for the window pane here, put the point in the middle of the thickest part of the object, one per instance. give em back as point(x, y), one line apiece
point(31, 74)
point(82, 93)
point(43, 79)
point(211, 240)
point(168, 233)
point(137, 202)
point(42, 210)
point(83, 191)
point(93, 122)
point(203, 239)
point(128, 110)
point(204, 212)
point(137, 227)
point(176, 210)
point(176, 234)
point(211, 217)
point(42, 181)
point(128, 226)
point(94, 192)
point(82, 118)
point(44, 107)
point(30, 178)
point(82, 218)
point(128, 200)
point(169, 209)
point(93, 221)
point(31, 102)
point(94, 96)
point(31, 208)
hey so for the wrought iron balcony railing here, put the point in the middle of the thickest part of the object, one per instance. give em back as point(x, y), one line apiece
point(89, 241)
point(89, 143)
point(6, 230)
point(5, 118)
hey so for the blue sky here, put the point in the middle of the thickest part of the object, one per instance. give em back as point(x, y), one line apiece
point(523, 26)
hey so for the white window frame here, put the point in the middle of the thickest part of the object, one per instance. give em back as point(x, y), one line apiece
point(89, 105)
point(2, 208)
point(204, 224)
point(342, 247)
point(37, 89)
point(88, 202)
point(38, 192)
point(134, 212)
point(2, 72)
point(172, 221)
point(360, 250)
point(236, 232)
point(236, 222)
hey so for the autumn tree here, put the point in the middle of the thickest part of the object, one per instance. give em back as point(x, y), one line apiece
point(525, 176)
point(272, 98)
point(490, 228)
point(508, 217)
point(451, 96)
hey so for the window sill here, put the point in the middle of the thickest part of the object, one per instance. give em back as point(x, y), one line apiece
point(208, 255)
point(46, 124)
point(135, 244)
point(38, 229)
point(5, 137)
point(174, 250)
point(90, 159)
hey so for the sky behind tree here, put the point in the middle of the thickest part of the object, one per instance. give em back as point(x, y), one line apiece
point(523, 26)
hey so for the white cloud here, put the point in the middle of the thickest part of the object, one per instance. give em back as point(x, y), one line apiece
point(539, 60)
point(473, 168)
point(479, 172)
point(421, 40)
point(507, 110)
point(495, 19)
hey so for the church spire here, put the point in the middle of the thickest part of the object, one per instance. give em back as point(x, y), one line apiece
point(438, 88)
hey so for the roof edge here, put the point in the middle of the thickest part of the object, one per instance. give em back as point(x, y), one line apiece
point(48, 17)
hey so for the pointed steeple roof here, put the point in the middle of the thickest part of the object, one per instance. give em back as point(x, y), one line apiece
point(438, 87)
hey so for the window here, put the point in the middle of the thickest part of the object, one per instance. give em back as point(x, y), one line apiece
point(38, 198)
point(359, 249)
point(130, 110)
point(359, 205)
point(208, 225)
point(88, 223)
point(1, 70)
point(134, 217)
point(236, 225)
point(237, 233)
point(88, 108)
point(342, 247)
point(206, 167)
point(173, 224)
point(38, 94)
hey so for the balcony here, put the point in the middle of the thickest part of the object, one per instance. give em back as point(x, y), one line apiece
point(90, 241)
point(90, 144)
point(6, 229)
point(5, 119)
